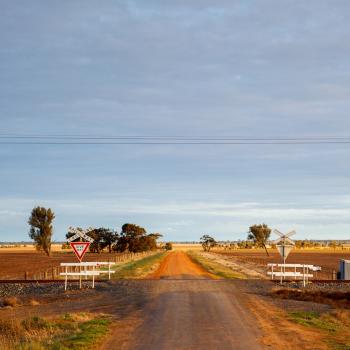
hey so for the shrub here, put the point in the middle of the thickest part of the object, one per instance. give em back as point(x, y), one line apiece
point(168, 246)
point(10, 301)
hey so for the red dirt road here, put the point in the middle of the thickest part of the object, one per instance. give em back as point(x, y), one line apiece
point(178, 265)
point(189, 310)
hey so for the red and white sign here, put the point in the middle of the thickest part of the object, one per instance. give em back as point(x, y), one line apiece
point(80, 248)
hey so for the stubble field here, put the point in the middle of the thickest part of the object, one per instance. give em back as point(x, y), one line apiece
point(327, 259)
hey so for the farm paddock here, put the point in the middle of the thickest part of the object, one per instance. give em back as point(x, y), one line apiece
point(327, 259)
point(14, 264)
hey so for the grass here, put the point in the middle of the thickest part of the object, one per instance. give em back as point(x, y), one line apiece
point(138, 268)
point(72, 331)
point(334, 325)
point(315, 320)
point(214, 267)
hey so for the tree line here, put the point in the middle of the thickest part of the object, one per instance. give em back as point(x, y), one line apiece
point(132, 238)
point(258, 236)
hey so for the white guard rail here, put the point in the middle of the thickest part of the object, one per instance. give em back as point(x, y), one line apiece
point(85, 269)
point(295, 271)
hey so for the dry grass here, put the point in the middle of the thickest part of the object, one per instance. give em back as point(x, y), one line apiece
point(10, 301)
point(71, 331)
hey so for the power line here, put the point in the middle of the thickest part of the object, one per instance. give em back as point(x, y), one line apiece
point(12, 139)
point(173, 138)
point(179, 143)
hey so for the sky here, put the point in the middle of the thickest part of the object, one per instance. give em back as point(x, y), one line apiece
point(244, 69)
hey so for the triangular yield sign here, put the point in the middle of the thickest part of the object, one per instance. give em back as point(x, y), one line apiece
point(80, 248)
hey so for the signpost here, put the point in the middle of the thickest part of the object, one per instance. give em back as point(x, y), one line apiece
point(80, 247)
point(284, 244)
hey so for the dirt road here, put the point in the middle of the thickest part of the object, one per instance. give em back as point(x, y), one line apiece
point(192, 311)
point(178, 265)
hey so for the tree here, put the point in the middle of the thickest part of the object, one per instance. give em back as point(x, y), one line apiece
point(207, 242)
point(168, 246)
point(108, 238)
point(41, 228)
point(333, 244)
point(259, 234)
point(134, 239)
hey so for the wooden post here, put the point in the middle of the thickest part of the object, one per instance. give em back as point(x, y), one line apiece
point(281, 275)
point(93, 277)
point(26, 276)
point(79, 277)
point(65, 280)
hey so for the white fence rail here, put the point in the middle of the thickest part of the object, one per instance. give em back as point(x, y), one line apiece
point(295, 271)
point(85, 269)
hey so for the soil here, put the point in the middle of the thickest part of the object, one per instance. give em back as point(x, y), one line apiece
point(14, 264)
point(328, 260)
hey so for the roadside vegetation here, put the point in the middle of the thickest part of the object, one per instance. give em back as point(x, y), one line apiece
point(139, 268)
point(215, 268)
point(334, 325)
point(70, 331)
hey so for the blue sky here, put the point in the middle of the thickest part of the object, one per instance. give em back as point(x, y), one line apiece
point(190, 68)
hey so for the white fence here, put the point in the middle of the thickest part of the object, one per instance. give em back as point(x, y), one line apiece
point(85, 269)
point(294, 271)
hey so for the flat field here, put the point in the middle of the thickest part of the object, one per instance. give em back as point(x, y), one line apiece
point(327, 259)
point(14, 263)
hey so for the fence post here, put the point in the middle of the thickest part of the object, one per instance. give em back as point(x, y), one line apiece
point(26, 276)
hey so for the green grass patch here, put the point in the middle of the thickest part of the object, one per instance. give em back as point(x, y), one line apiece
point(214, 267)
point(138, 268)
point(85, 335)
point(334, 325)
point(315, 320)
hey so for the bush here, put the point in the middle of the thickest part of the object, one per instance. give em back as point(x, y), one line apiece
point(168, 246)
point(10, 301)
point(35, 323)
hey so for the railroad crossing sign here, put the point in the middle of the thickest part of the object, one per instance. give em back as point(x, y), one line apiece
point(284, 244)
point(80, 249)
point(80, 233)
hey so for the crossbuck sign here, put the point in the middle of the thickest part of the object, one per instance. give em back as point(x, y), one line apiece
point(80, 233)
